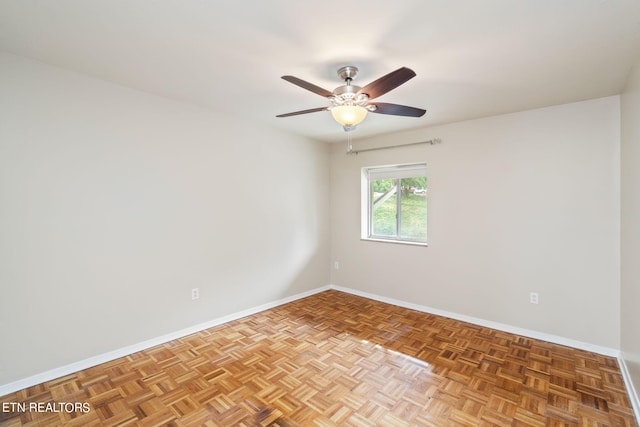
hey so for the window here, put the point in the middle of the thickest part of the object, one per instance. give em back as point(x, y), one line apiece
point(394, 203)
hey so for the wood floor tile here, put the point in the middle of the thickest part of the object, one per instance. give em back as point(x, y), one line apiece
point(335, 359)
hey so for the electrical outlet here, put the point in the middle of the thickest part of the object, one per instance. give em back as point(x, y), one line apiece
point(336, 265)
point(533, 297)
point(195, 293)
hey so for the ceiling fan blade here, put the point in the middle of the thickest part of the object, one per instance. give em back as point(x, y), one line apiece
point(397, 110)
point(296, 113)
point(308, 86)
point(388, 82)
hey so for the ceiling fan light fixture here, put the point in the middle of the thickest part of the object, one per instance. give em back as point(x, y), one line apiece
point(349, 115)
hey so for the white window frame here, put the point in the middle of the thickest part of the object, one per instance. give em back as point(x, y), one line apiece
point(399, 171)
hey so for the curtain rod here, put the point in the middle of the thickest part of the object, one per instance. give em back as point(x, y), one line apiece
point(431, 141)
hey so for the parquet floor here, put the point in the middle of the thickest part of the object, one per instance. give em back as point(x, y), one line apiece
point(334, 359)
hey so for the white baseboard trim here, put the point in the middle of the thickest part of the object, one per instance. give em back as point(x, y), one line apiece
point(555, 339)
point(631, 390)
point(125, 351)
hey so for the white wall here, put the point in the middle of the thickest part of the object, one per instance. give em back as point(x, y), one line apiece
point(517, 203)
point(115, 203)
point(630, 226)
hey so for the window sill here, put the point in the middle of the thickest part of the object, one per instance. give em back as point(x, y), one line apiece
point(401, 242)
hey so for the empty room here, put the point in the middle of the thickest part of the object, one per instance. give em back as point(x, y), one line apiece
point(337, 213)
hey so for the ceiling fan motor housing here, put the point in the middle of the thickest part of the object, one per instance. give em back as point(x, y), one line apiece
point(346, 89)
point(348, 94)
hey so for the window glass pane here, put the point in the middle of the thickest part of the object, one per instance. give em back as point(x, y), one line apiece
point(383, 207)
point(413, 208)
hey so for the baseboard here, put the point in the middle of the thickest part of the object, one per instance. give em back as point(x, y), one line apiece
point(631, 390)
point(607, 351)
point(125, 351)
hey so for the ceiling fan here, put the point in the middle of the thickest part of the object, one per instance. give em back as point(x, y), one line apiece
point(350, 103)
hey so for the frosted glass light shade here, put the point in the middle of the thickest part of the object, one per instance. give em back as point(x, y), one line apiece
point(349, 115)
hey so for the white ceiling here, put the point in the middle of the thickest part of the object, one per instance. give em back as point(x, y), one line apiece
point(473, 58)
